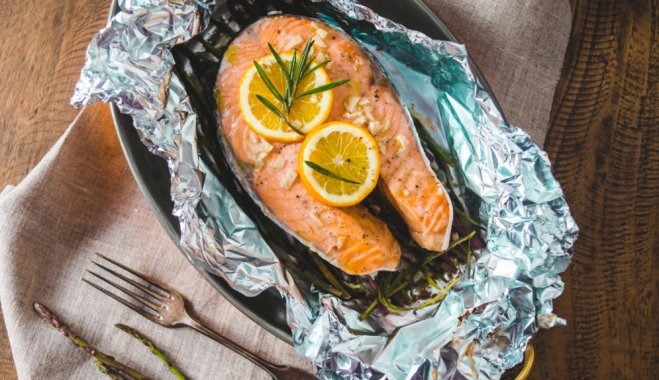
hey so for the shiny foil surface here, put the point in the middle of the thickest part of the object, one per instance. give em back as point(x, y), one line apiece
point(484, 324)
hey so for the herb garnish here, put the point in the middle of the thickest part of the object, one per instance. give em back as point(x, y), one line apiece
point(294, 74)
point(328, 173)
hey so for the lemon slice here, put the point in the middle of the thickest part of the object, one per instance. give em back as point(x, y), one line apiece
point(339, 164)
point(306, 112)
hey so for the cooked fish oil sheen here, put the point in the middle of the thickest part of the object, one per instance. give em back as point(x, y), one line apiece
point(350, 238)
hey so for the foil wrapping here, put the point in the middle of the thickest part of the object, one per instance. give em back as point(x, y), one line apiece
point(484, 324)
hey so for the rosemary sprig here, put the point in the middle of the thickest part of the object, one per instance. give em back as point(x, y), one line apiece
point(277, 112)
point(437, 297)
point(469, 259)
point(293, 74)
point(463, 215)
point(329, 276)
point(463, 239)
point(329, 173)
point(322, 88)
point(384, 300)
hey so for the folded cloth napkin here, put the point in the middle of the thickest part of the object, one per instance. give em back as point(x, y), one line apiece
point(82, 199)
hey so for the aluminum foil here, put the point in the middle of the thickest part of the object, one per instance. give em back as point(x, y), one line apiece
point(484, 324)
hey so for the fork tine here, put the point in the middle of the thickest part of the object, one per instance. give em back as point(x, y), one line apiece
point(136, 296)
point(136, 274)
point(140, 311)
point(132, 282)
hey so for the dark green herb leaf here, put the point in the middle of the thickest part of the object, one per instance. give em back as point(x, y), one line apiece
point(311, 70)
point(303, 59)
point(467, 218)
point(305, 69)
point(329, 276)
point(293, 74)
point(425, 136)
point(290, 89)
point(277, 112)
point(268, 82)
point(280, 62)
point(326, 87)
point(328, 173)
point(469, 259)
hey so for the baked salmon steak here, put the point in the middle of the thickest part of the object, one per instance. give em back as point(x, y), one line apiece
point(317, 125)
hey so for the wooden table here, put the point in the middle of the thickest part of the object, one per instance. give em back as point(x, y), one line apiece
point(603, 141)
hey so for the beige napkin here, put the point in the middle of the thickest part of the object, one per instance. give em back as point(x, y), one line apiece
point(82, 198)
point(519, 46)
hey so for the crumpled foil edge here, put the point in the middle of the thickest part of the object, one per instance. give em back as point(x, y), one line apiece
point(482, 327)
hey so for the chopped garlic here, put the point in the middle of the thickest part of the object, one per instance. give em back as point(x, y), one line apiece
point(385, 126)
point(352, 103)
point(401, 143)
point(360, 120)
point(320, 57)
point(369, 114)
point(320, 42)
point(259, 148)
point(277, 163)
point(258, 159)
point(374, 127)
point(297, 123)
point(406, 192)
point(360, 111)
point(313, 98)
point(293, 42)
point(322, 33)
point(320, 36)
point(286, 181)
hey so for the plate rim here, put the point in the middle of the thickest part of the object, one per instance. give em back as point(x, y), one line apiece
point(163, 216)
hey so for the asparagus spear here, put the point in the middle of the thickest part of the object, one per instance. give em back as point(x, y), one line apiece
point(105, 363)
point(152, 347)
point(107, 371)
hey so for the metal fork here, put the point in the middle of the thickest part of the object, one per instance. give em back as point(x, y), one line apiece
point(167, 307)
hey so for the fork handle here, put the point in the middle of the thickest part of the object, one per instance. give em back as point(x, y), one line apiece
point(278, 372)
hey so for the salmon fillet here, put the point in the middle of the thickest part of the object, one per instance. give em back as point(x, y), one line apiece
point(406, 178)
point(349, 238)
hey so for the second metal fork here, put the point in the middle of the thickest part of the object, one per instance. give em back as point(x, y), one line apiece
point(167, 307)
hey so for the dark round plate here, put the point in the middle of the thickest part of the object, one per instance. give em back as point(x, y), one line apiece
point(152, 176)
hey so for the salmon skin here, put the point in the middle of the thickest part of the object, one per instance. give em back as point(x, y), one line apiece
point(349, 238)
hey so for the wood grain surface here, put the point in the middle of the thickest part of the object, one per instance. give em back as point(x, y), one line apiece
point(604, 145)
point(603, 141)
point(41, 53)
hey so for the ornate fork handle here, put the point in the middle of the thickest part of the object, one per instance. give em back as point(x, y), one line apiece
point(276, 371)
point(167, 307)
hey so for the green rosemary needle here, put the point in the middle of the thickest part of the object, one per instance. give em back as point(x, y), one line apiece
point(297, 70)
point(329, 173)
